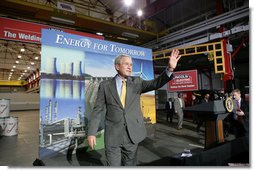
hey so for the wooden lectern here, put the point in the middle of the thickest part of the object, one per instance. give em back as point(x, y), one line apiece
point(213, 114)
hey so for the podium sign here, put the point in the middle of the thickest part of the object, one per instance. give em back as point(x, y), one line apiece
point(213, 114)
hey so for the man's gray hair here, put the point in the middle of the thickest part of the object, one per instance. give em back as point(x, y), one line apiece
point(119, 57)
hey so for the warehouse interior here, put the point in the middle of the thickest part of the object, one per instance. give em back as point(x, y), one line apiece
point(192, 26)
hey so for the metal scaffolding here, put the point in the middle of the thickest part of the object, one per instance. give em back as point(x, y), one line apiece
point(213, 50)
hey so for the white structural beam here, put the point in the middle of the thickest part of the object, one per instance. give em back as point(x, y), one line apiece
point(201, 27)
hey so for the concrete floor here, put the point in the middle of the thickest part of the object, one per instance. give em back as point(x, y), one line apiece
point(22, 150)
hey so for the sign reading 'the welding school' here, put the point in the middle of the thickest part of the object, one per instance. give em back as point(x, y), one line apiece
point(184, 81)
point(17, 30)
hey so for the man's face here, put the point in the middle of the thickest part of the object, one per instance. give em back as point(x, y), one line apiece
point(124, 69)
point(207, 96)
point(236, 96)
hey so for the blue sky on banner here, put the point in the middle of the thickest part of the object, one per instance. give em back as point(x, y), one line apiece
point(65, 40)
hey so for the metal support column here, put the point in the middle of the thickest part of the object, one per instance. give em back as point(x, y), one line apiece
point(228, 75)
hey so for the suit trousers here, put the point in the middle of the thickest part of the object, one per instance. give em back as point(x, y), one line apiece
point(170, 115)
point(239, 128)
point(123, 155)
point(180, 119)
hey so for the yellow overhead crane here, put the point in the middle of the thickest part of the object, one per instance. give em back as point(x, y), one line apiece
point(214, 50)
point(12, 82)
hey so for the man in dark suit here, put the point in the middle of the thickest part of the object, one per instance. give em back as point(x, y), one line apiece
point(120, 99)
point(169, 109)
point(200, 122)
point(240, 119)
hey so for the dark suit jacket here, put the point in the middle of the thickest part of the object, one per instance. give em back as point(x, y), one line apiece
point(244, 108)
point(168, 107)
point(241, 125)
point(116, 116)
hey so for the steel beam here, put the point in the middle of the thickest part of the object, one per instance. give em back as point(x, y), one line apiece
point(201, 27)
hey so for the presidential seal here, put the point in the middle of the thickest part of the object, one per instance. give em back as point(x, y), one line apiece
point(229, 104)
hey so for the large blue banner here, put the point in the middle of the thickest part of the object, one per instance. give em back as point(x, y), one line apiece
point(72, 67)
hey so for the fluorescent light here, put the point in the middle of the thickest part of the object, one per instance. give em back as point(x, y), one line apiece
point(130, 35)
point(121, 38)
point(61, 20)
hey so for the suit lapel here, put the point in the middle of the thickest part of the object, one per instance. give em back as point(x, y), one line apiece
point(112, 88)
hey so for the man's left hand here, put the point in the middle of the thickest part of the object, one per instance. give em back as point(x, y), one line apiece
point(173, 59)
point(240, 113)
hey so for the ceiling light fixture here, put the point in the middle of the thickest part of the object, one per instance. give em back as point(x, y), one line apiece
point(121, 38)
point(62, 20)
point(99, 33)
point(140, 12)
point(130, 35)
point(128, 2)
point(22, 50)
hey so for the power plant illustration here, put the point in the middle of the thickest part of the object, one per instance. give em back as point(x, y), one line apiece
point(70, 78)
point(66, 106)
point(68, 96)
point(63, 69)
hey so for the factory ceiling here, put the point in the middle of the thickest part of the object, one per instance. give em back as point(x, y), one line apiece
point(117, 23)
